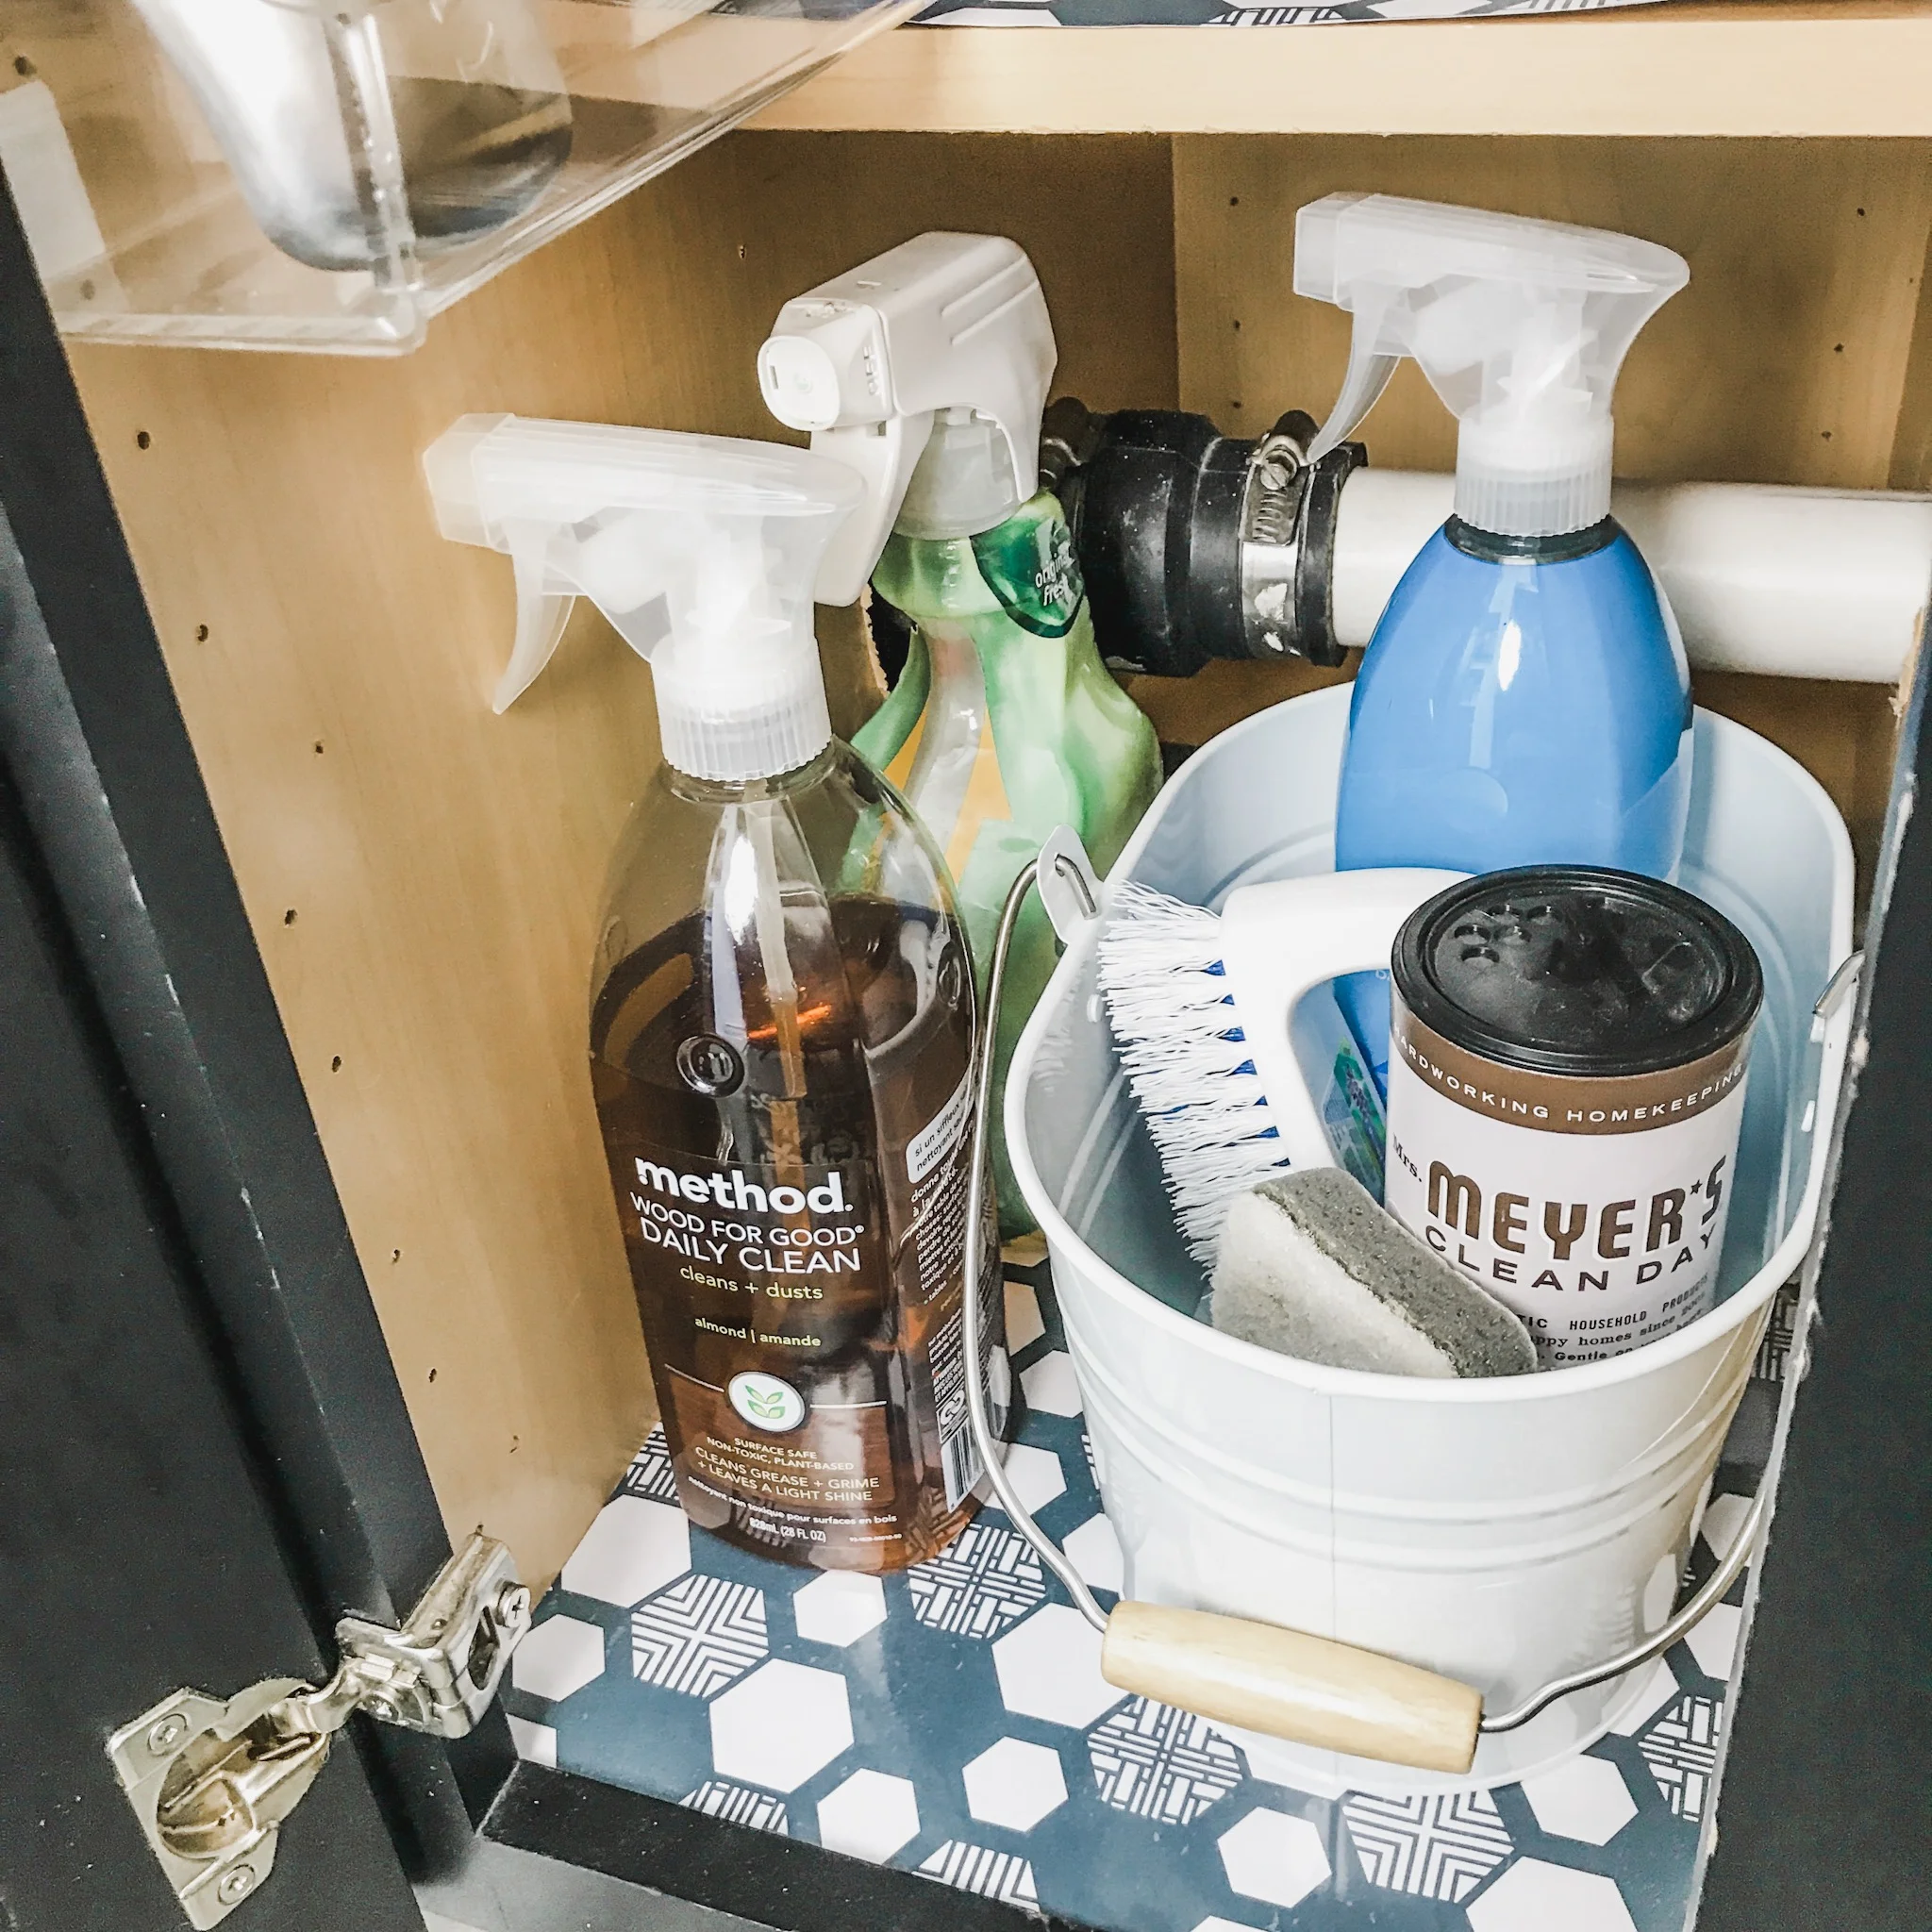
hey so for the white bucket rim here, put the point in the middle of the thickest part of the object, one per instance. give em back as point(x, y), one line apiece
point(1360, 1384)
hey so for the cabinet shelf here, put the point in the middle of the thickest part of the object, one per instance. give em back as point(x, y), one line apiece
point(1763, 67)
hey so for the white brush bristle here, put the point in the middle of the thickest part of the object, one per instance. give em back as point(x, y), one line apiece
point(1181, 1043)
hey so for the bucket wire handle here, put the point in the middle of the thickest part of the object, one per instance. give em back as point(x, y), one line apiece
point(1048, 1550)
point(1232, 1669)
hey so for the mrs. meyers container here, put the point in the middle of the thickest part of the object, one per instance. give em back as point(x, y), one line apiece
point(1567, 1050)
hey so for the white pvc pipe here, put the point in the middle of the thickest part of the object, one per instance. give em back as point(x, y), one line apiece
point(1790, 582)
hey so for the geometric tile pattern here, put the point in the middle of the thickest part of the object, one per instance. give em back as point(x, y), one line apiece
point(1681, 1750)
point(952, 1721)
point(1023, 1325)
point(1038, 13)
point(1153, 1761)
point(649, 1475)
point(784, 1723)
point(558, 1659)
point(1049, 1668)
point(870, 1816)
point(1036, 1476)
point(1003, 1875)
point(536, 1743)
point(1714, 1643)
point(698, 1636)
point(632, 1549)
point(1050, 1386)
point(1433, 1844)
point(1779, 1332)
point(1583, 1798)
point(839, 1608)
point(1014, 1784)
point(1275, 1857)
point(1536, 1896)
point(986, 1578)
point(738, 1804)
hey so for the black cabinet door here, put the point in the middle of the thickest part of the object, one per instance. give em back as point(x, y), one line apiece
point(205, 1459)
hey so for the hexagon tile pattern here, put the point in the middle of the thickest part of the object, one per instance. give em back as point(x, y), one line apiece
point(1434, 1844)
point(868, 1816)
point(649, 1475)
point(1158, 1762)
point(719, 1798)
point(839, 1608)
point(633, 1548)
point(1049, 1668)
point(1681, 1750)
point(1276, 1857)
point(977, 1868)
point(951, 1723)
point(558, 1659)
point(986, 1578)
point(1532, 1896)
point(698, 1636)
point(1094, 1551)
point(1583, 1798)
point(783, 1723)
point(1050, 1387)
point(1014, 1784)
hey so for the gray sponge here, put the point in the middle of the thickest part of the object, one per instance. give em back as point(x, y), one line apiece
point(1311, 1266)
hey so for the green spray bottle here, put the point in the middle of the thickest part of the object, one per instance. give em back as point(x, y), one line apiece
point(926, 370)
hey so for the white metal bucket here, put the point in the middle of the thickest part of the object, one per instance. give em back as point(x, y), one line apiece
point(1503, 1532)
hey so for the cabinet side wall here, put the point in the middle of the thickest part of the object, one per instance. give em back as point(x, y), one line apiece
point(423, 877)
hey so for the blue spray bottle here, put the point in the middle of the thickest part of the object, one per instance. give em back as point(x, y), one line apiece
point(1525, 697)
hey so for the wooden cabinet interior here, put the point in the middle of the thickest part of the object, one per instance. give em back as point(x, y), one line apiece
point(423, 877)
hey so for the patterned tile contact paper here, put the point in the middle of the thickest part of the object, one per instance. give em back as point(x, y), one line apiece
point(1223, 13)
point(952, 1721)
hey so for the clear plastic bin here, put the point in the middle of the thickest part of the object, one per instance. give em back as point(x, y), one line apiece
point(282, 174)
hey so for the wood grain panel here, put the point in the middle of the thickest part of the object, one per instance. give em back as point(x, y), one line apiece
point(1845, 68)
point(422, 877)
point(1784, 361)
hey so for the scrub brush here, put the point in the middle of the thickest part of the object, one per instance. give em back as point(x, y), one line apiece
point(1200, 1004)
point(1311, 1267)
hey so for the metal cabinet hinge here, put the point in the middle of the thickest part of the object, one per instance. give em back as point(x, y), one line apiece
point(211, 1779)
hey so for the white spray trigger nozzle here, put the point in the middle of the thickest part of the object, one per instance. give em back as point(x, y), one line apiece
point(866, 360)
point(540, 614)
point(1519, 326)
point(701, 551)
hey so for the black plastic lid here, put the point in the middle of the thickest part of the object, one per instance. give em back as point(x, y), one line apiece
point(1577, 970)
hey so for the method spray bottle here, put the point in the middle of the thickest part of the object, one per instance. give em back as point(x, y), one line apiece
point(781, 1010)
point(1525, 697)
point(926, 371)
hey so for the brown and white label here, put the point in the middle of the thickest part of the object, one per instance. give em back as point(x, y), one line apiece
point(1593, 1207)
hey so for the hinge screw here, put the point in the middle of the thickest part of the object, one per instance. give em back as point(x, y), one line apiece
point(512, 1604)
point(382, 1709)
point(166, 1733)
point(236, 1885)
